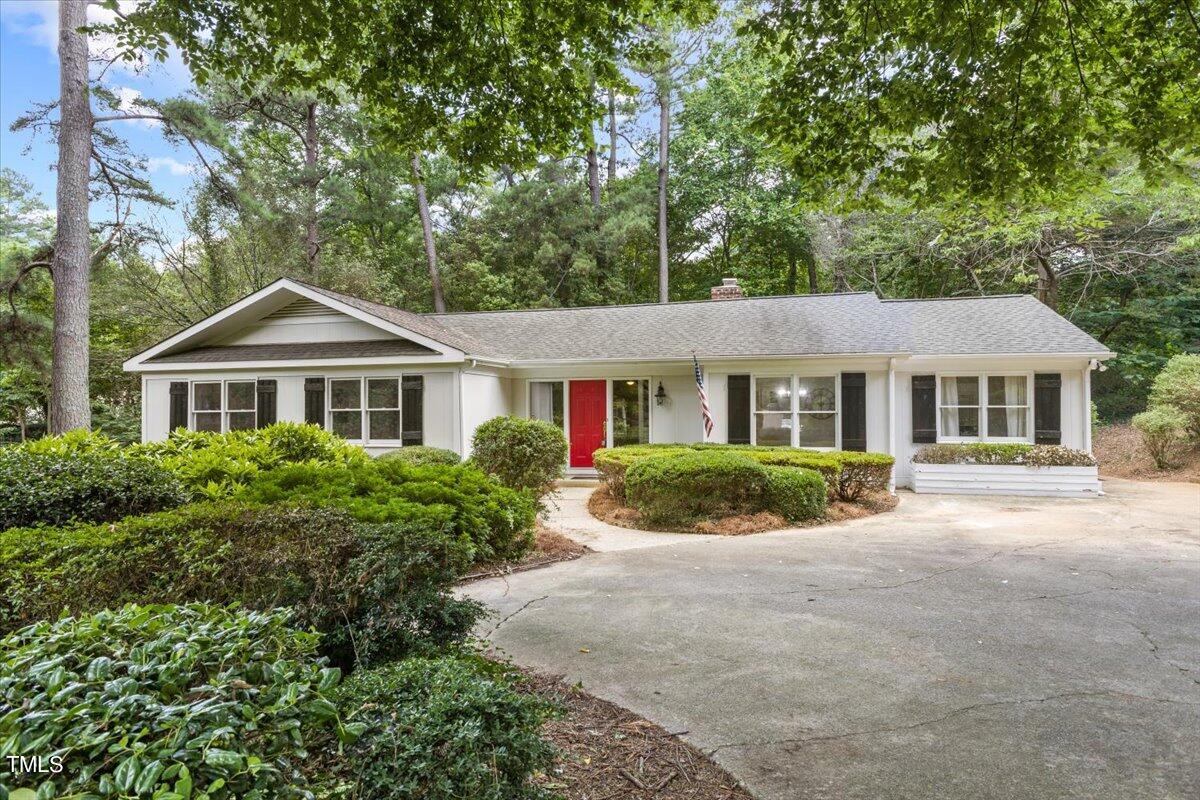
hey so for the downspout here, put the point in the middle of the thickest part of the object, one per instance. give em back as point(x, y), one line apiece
point(891, 428)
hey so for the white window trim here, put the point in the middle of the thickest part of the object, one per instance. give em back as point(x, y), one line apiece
point(367, 408)
point(795, 411)
point(983, 407)
point(223, 411)
point(608, 423)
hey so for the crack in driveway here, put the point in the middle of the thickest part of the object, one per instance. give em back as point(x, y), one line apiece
point(805, 740)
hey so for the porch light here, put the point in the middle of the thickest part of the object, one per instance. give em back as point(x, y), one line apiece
point(660, 396)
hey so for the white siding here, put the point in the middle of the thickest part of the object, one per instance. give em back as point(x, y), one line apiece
point(484, 396)
point(439, 415)
point(332, 327)
point(156, 405)
point(678, 419)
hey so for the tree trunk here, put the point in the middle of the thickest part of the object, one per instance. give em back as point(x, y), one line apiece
point(593, 167)
point(812, 273)
point(1047, 286)
point(664, 136)
point(612, 136)
point(435, 277)
point(793, 270)
point(312, 240)
point(69, 407)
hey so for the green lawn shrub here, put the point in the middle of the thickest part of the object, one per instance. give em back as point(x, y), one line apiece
point(44, 486)
point(449, 728)
point(422, 455)
point(215, 465)
point(796, 494)
point(1178, 386)
point(681, 488)
point(524, 454)
point(869, 471)
point(497, 522)
point(167, 701)
point(80, 440)
point(375, 590)
point(995, 453)
point(1164, 431)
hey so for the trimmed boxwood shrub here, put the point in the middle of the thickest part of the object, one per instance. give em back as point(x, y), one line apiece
point(167, 701)
point(795, 494)
point(92, 485)
point(525, 454)
point(870, 471)
point(422, 455)
point(441, 729)
point(995, 453)
point(215, 465)
point(378, 590)
point(458, 500)
point(680, 488)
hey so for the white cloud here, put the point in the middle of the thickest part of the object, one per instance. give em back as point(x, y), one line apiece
point(130, 101)
point(170, 165)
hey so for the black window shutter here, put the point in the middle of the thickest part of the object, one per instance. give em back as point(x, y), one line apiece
point(179, 404)
point(854, 411)
point(412, 414)
point(266, 403)
point(924, 409)
point(739, 410)
point(314, 401)
point(1047, 408)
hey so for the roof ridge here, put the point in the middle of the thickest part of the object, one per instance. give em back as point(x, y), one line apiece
point(941, 299)
point(644, 305)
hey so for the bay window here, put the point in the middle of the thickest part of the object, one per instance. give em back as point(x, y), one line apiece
point(984, 407)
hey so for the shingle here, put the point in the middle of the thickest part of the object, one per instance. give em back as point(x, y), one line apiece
point(295, 350)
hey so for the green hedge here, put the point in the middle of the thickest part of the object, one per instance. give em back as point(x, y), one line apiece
point(458, 500)
point(377, 590)
point(868, 471)
point(421, 456)
point(680, 488)
point(44, 486)
point(794, 494)
point(440, 729)
point(167, 701)
point(215, 465)
point(1003, 454)
point(525, 454)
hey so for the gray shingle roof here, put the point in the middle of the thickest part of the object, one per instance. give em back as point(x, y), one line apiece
point(988, 325)
point(295, 350)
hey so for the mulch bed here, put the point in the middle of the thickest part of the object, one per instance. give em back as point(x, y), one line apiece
point(549, 547)
point(610, 753)
point(606, 508)
point(1121, 454)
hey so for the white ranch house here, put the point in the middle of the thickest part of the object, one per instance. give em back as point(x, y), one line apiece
point(830, 371)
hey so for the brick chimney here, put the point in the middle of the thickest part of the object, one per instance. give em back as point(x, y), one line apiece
point(728, 290)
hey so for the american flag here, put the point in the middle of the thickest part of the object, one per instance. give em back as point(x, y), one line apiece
point(705, 411)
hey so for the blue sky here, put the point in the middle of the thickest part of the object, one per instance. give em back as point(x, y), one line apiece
point(29, 75)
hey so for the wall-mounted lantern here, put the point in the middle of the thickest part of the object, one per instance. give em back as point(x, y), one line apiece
point(660, 397)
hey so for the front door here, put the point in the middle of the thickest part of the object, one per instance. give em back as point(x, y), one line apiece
point(589, 413)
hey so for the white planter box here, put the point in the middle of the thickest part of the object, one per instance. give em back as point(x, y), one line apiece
point(1006, 479)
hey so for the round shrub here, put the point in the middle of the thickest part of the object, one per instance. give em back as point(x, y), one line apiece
point(1178, 386)
point(167, 701)
point(92, 485)
point(682, 488)
point(795, 494)
point(524, 454)
point(860, 473)
point(1164, 432)
point(422, 455)
point(374, 590)
point(443, 729)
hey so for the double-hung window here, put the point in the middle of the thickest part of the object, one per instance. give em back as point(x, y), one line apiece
point(206, 406)
point(977, 407)
point(383, 410)
point(240, 401)
point(773, 411)
point(224, 406)
point(816, 411)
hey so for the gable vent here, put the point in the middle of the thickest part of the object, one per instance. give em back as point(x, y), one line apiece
point(301, 308)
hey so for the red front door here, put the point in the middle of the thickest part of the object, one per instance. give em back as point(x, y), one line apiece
point(589, 412)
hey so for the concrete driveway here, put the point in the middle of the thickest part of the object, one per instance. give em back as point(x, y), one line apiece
point(955, 648)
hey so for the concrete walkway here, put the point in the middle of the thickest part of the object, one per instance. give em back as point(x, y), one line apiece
point(956, 648)
point(569, 514)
